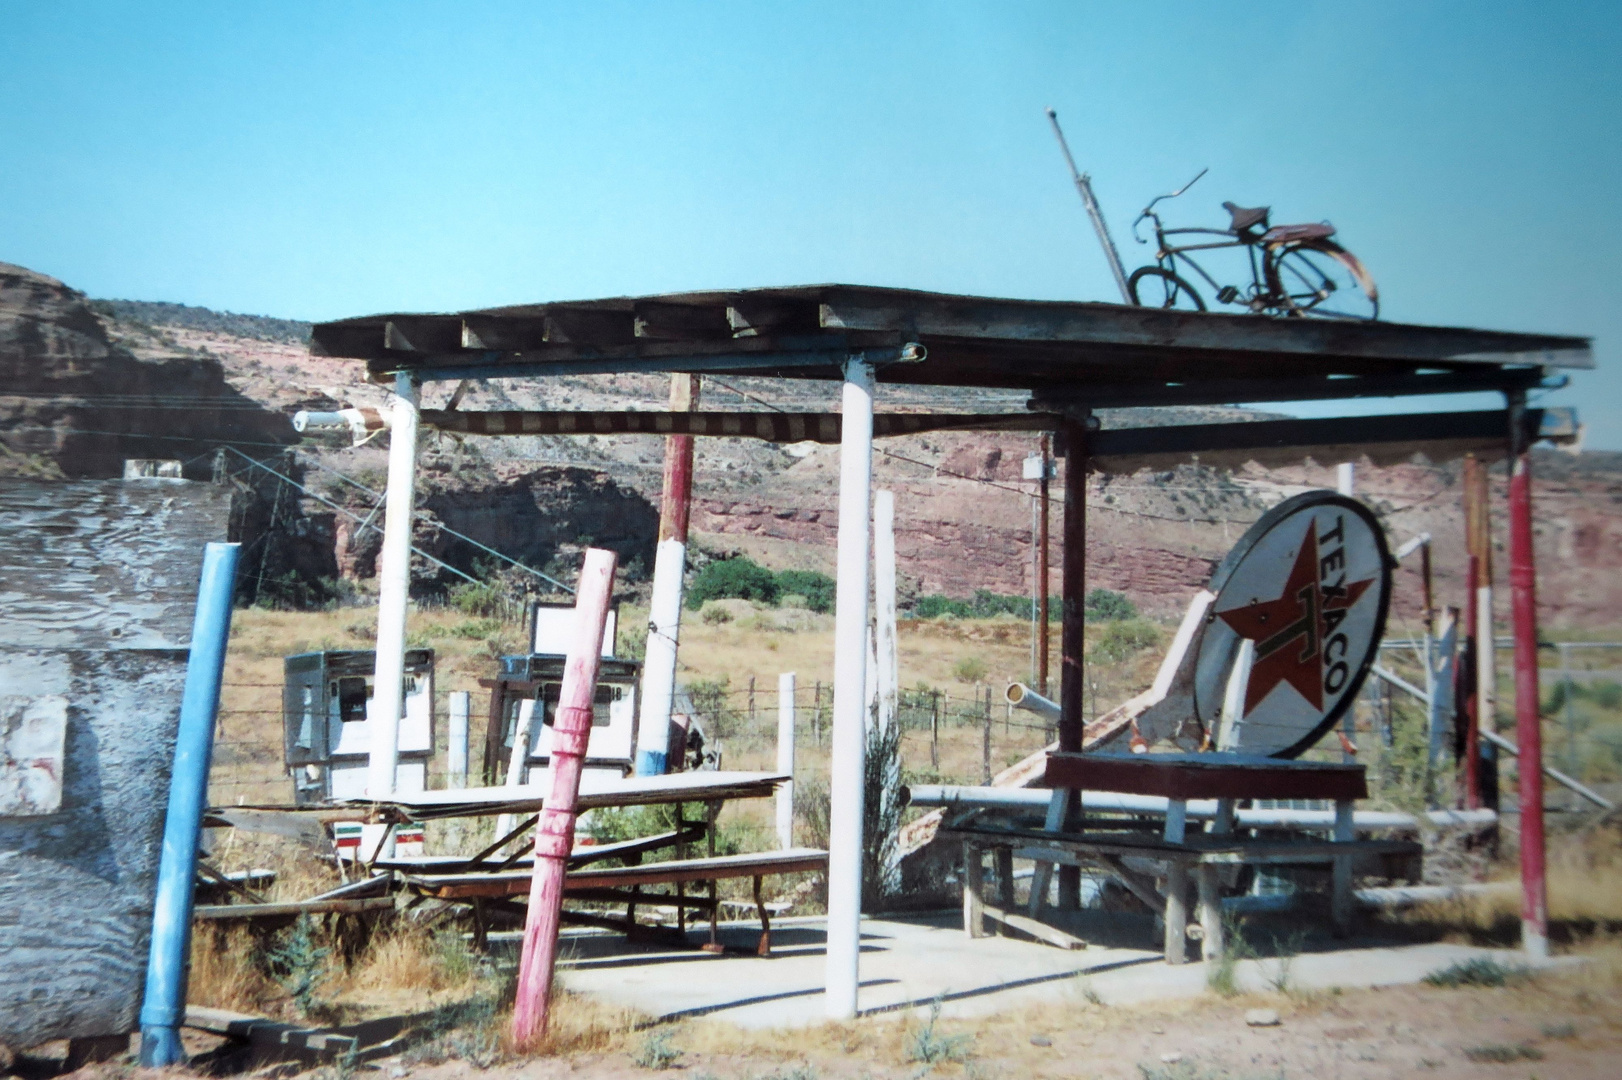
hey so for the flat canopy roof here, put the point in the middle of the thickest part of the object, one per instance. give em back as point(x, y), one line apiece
point(1089, 353)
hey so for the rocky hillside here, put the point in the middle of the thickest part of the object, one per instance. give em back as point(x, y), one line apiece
point(98, 381)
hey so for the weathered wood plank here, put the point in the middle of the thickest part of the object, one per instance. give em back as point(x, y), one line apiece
point(249, 912)
point(1026, 925)
point(103, 564)
point(97, 586)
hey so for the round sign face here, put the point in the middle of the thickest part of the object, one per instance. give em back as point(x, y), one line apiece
point(1307, 586)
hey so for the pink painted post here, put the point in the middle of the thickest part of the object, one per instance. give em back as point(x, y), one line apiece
point(554, 833)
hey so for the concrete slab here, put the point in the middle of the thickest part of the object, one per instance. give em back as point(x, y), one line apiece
point(910, 961)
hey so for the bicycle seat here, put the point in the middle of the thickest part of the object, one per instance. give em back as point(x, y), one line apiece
point(1284, 234)
point(1246, 217)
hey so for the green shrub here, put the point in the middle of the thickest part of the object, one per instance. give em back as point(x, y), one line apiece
point(984, 604)
point(1503, 1053)
point(477, 629)
point(1479, 971)
point(970, 669)
point(1104, 605)
point(476, 597)
point(929, 1047)
point(817, 588)
point(1121, 638)
point(300, 964)
point(656, 1052)
point(737, 578)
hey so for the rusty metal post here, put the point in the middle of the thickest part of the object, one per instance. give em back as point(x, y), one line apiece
point(1478, 533)
point(1528, 724)
point(1073, 628)
point(1042, 568)
point(554, 832)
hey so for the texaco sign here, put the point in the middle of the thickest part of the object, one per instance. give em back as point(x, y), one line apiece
point(1308, 585)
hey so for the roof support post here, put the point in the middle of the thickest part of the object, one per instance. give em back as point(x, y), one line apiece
point(669, 568)
point(393, 591)
point(1528, 729)
point(1072, 632)
point(850, 704)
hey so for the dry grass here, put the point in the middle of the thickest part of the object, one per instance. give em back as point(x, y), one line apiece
point(223, 972)
point(578, 1024)
point(1585, 895)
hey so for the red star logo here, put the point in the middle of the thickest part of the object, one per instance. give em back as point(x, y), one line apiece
point(1289, 632)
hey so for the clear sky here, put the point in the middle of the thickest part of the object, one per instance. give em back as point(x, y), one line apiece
point(320, 160)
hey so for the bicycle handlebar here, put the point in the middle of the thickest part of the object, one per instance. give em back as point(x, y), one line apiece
point(1148, 211)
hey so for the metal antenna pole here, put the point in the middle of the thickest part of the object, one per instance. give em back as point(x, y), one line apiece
point(1084, 184)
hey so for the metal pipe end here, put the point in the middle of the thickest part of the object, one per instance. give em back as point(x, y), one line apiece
point(912, 353)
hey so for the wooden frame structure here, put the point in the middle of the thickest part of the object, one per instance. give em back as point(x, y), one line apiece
point(1073, 358)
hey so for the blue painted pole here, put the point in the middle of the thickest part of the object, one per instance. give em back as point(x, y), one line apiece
point(164, 1005)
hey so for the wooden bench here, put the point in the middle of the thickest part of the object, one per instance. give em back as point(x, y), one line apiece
point(623, 884)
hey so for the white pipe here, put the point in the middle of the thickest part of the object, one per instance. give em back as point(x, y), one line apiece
point(362, 423)
point(1346, 479)
point(1021, 696)
point(461, 703)
point(1552, 773)
point(994, 798)
point(850, 706)
point(659, 662)
point(393, 592)
point(1400, 683)
point(785, 759)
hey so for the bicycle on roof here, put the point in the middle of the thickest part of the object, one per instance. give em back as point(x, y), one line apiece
point(1295, 270)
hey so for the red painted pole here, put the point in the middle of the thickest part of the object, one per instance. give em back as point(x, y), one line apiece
point(676, 503)
point(1471, 765)
point(1528, 725)
point(554, 833)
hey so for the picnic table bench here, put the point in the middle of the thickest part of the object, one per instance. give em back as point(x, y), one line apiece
point(1065, 838)
point(624, 884)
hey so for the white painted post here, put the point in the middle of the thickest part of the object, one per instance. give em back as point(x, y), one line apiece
point(393, 592)
point(461, 706)
point(664, 609)
point(849, 709)
point(1346, 478)
point(659, 663)
point(785, 759)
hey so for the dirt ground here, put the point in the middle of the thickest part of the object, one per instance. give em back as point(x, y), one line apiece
point(1566, 1025)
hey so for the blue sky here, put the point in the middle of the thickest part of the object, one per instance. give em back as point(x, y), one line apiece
point(324, 160)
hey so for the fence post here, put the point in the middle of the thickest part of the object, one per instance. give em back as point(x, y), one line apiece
point(785, 759)
point(985, 742)
point(456, 755)
point(752, 716)
point(934, 729)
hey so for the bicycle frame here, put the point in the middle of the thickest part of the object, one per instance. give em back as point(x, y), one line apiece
point(1167, 255)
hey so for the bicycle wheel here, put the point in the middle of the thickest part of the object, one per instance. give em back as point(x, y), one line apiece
point(1153, 286)
point(1320, 278)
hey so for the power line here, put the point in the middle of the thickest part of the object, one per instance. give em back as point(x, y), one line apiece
point(353, 517)
point(443, 527)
